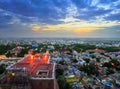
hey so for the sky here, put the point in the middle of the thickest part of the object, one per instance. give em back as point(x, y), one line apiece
point(60, 18)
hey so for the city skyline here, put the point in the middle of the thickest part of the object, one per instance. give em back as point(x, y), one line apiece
point(60, 18)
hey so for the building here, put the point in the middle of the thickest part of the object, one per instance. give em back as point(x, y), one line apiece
point(96, 50)
point(32, 72)
point(2, 56)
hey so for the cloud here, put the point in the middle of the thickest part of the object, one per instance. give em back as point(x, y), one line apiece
point(35, 28)
point(59, 16)
point(74, 27)
point(52, 10)
point(72, 11)
point(113, 17)
point(84, 30)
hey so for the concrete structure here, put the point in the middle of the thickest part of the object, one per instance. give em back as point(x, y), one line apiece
point(36, 69)
point(97, 50)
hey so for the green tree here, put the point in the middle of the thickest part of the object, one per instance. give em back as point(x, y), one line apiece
point(67, 86)
point(107, 64)
point(2, 68)
point(8, 54)
point(23, 52)
point(75, 61)
point(89, 69)
point(59, 72)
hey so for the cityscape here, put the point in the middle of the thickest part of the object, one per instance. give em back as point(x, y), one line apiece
point(58, 63)
point(59, 44)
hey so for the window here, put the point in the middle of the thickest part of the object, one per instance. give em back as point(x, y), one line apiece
point(42, 73)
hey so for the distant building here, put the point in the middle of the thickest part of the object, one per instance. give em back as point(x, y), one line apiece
point(96, 50)
point(2, 56)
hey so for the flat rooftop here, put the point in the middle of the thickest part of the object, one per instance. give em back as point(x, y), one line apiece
point(37, 67)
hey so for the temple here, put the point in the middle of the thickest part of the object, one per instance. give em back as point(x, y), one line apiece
point(32, 72)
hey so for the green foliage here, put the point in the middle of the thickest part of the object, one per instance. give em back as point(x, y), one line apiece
point(8, 54)
point(67, 86)
point(87, 60)
point(102, 53)
point(115, 61)
point(2, 68)
point(110, 72)
point(61, 62)
point(63, 84)
point(89, 69)
point(98, 59)
point(93, 56)
point(57, 47)
point(23, 52)
point(59, 72)
point(82, 47)
point(111, 49)
point(5, 48)
point(74, 61)
point(107, 64)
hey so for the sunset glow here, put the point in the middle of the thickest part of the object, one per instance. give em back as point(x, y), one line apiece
point(53, 18)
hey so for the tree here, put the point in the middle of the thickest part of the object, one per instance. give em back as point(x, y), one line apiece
point(89, 69)
point(8, 54)
point(75, 61)
point(5, 48)
point(59, 72)
point(61, 62)
point(67, 86)
point(87, 60)
point(2, 68)
point(109, 72)
point(116, 62)
point(98, 59)
point(107, 65)
point(23, 52)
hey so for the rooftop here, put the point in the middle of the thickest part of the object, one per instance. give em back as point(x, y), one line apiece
point(37, 67)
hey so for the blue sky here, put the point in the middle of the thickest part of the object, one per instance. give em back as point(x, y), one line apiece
point(60, 18)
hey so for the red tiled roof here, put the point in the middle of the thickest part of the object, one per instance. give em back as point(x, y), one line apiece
point(96, 50)
point(32, 65)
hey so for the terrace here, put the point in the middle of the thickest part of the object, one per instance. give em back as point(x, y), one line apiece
point(36, 67)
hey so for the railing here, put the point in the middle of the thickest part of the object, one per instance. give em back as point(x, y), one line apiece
point(12, 58)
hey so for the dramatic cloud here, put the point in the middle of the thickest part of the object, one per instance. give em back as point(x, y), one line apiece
point(53, 18)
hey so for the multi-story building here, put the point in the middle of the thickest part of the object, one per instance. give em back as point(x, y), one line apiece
point(32, 72)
